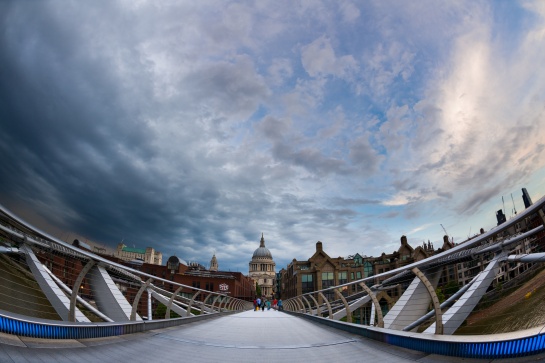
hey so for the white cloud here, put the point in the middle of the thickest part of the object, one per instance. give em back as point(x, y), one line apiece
point(482, 117)
point(384, 65)
point(349, 11)
point(319, 60)
point(280, 70)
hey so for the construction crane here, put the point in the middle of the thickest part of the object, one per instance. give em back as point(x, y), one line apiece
point(446, 234)
point(514, 209)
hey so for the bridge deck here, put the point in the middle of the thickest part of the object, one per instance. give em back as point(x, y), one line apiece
point(252, 336)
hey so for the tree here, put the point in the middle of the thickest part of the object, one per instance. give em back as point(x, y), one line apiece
point(440, 295)
point(451, 288)
point(161, 311)
point(257, 289)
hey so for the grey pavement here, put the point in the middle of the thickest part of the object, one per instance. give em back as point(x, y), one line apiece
point(252, 336)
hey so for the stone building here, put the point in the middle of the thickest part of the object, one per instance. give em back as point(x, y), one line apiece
point(147, 255)
point(321, 271)
point(406, 254)
point(262, 269)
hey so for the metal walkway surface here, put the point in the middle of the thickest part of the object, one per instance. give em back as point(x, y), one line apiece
point(251, 336)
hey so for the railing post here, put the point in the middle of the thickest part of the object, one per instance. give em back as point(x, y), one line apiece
point(137, 298)
point(376, 304)
point(328, 304)
point(203, 304)
point(214, 302)
point(434, 299)
point(171, 301)
point(231, 305)
point(300, 304)
point(289, 304)
point(150, 314)
point(317, 306)
point(348, 312)
point(224, 303)
point(294, 305)
point(309, 307)
point(191, 302)
point(75, 289)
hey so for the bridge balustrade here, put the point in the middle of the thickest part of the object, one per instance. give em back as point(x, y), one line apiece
point(437, 304)
point(51, 289)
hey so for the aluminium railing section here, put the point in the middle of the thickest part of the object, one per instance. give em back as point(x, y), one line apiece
point(80, 292)
point(411, 290)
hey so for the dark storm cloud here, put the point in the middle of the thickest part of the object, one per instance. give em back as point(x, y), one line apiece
point(311, 159)
point(231, 87)
point(274, 129)
point(285, 147)
point(355, 201)
point(74, 135)
point(363, 155)
point(471, 204)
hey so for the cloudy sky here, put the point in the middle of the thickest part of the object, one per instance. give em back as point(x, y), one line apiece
point(195, 126)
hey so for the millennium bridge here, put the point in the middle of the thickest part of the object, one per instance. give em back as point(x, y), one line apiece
point(95, 317)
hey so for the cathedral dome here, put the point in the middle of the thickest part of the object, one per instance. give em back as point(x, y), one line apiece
point(262, 251)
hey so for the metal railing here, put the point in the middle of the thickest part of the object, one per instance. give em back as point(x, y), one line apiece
point(96, 297)
point(407, 306)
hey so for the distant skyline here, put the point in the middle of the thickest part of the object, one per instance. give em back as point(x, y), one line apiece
point(193, 127)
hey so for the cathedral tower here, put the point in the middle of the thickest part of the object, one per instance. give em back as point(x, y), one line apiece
point(262, 269)
point(214, 263)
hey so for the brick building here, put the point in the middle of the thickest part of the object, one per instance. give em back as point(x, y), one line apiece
point(321, 271)
point(234, 284)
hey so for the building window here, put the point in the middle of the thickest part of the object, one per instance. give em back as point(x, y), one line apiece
point(357, 260)
point(306, 283)
point(358, 275)
point(367, 269)
point(342, 277)
point(327, 280)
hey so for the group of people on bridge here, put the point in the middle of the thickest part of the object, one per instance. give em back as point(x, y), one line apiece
point(262, 303)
